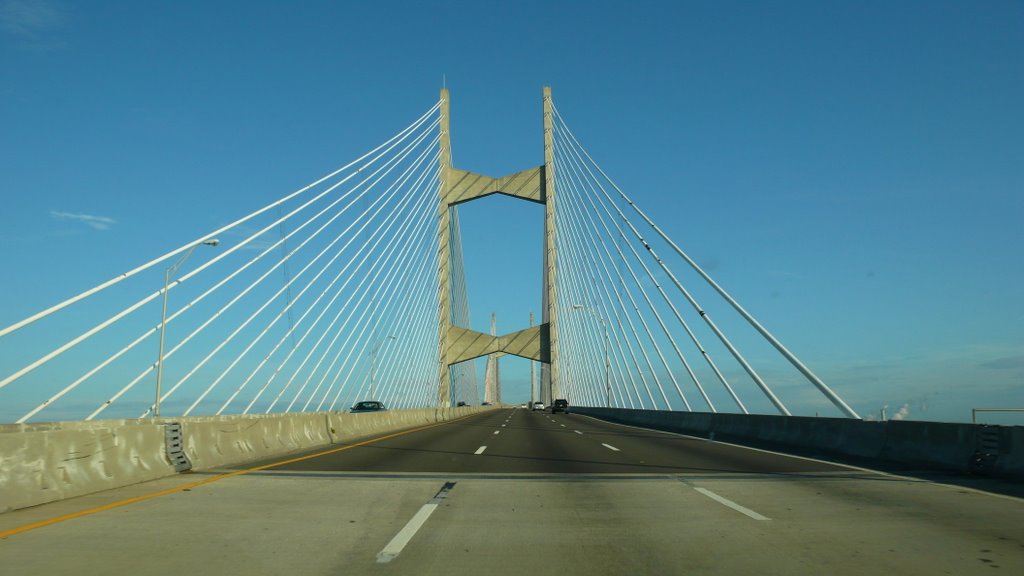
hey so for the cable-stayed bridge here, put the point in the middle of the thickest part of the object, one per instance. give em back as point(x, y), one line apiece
point(234, 352)
point(334, 290)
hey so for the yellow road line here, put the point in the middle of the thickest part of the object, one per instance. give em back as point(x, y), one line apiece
point(127, 501)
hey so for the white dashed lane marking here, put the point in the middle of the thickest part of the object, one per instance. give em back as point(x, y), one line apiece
point(610, 447)
point(480, 450)
point(731, 504)
point(397, 544)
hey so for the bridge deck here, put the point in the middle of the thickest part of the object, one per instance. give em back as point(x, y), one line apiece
point(549, 494)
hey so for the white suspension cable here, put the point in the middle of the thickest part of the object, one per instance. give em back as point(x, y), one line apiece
point(818, 383)
point(732, 349)
point(389, 248)
point(386, 225)
point(572, 226)
point(670, 304)
point(384, 171)
point(379, 268)
point(394, 323)
point(101, 326)
point(650, 305)
point(402, 318)
point(388, 194)
point(636, 308)
point(675, 311)
point(574, 260)
point(394, 271)
point(211, 235)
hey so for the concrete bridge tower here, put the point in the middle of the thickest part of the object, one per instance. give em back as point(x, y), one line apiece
point(459, 344)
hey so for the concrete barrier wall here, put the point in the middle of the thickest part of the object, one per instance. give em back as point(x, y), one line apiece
point(42, 463)
point(46, 462)
point(928, 445)
point(1011, 460)
point(215, 441)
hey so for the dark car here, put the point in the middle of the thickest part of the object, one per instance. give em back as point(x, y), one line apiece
point(560, 405)
point(368, 406)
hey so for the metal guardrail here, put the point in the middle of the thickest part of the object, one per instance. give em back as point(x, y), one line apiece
point(974, 412)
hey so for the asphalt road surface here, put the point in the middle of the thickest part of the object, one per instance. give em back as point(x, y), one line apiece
point(519, 441)
point(515, 492)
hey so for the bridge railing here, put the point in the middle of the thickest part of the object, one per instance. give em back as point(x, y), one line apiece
point(56, 460)
point(906, 444)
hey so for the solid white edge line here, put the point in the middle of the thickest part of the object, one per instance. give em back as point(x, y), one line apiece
point(610, 447)
point(850, 466)
point(731, 504)
point(394, 548)
point(702, 439)
point(480, 450)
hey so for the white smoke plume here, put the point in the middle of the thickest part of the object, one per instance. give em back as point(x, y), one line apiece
point(903, 412)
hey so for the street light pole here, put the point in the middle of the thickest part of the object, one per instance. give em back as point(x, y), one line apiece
point(607, 364)
point(168, 274)
point(373, 365)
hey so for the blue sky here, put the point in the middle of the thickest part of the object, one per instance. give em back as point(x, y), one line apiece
point(851, 172)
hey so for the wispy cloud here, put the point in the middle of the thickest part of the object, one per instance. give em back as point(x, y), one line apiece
point(96, 222)
point(32, 22)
